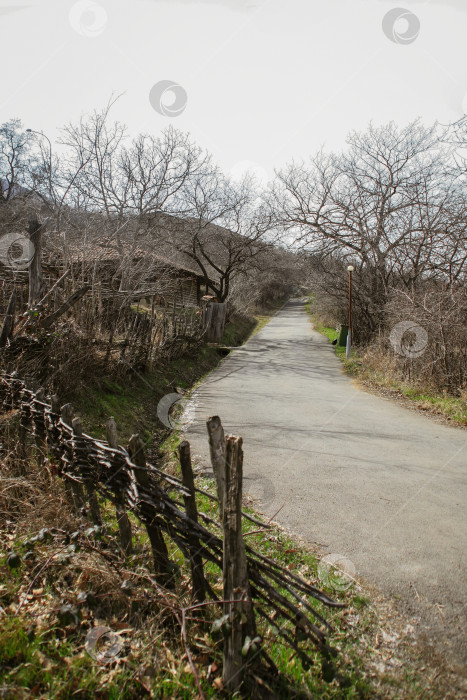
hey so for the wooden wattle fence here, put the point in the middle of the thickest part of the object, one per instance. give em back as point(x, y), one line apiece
point(255, 587)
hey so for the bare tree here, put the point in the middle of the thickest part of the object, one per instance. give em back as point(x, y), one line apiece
point(16, 160)
point(127, 184)
point(455, 135)
point(219, 229)
point(389, 204)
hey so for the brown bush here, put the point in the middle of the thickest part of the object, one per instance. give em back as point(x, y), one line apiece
point(424, 339)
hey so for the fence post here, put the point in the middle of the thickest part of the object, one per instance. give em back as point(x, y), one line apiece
point(235, 568)
point(24, 421)
point(38, 416)
point(66, 413)
point(217, 452)
point(9, 320)
point(124, 525)
point(159, 548)
point(196, 560)
point(52, 444)
point(80, 455)
point(35, 230)
point(213, 315)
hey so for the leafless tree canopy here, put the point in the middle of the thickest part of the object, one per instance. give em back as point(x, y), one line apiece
point(393, 204)
point(161, 193)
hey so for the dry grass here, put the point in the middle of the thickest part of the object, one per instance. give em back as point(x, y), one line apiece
point(33, 500)
point(71, 559)
point(381, 372)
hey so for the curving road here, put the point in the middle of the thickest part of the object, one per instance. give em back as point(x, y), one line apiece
point(356, 474)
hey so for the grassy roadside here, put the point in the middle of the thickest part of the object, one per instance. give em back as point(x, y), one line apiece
point(68, 577)
point(423, 399)
point(43, 647)
point(133, 401)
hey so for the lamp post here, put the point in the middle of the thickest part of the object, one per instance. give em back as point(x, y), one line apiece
point(348, 346)
point(32, 131)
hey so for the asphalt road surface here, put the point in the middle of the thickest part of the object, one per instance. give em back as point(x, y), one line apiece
point(358, 475)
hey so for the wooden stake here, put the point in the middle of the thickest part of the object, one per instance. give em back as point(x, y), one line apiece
point(35, 230)
point(196, 560)
point(9, 321)
point(66, 413)
point(52, 445)
point(91, 494)
point(159, 548)
point(217, 451)
point(124, 525)
point(39, 433)
point(235, 569)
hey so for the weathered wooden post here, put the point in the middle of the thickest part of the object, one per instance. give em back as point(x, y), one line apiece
point(156, 538)
point(124, 525)
point(66, 413)
point(213, 318)
point(217, 452)
point(235, 569)
point(38, 416)
point(53, 440)
point(196, 560)
point(227, 463)
point(35, 230)
point(9, 321)
point(25, 417)
point(79, 450)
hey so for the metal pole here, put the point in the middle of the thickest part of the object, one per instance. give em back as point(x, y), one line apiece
point(348, 345)
point(350, 300)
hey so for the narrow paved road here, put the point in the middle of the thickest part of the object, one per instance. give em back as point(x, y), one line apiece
point(355, 473)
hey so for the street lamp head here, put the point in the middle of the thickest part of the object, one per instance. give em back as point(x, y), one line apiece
point(350, 268)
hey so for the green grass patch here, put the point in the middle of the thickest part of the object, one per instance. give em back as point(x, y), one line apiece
point(133, 400)
point(44, 663)
point(453, 408)
point(43, 656)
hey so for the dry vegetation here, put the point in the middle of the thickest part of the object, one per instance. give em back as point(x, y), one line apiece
point(393, 206)
point(141, 229)
point(60, 578)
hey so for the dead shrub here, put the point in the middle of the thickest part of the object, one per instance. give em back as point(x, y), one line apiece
point(425, 338)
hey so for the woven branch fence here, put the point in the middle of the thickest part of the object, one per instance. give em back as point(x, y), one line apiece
point(255, 586)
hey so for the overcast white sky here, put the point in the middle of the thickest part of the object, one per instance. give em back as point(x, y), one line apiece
point(265, 80)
